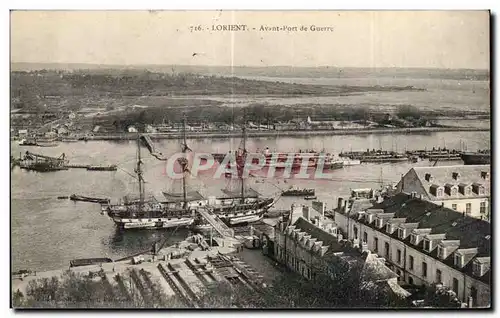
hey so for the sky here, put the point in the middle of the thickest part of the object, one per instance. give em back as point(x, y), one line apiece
point(427, 39)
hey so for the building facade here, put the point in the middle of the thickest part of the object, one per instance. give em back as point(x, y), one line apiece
point(461, 188)
point(309, 245)
point(423, 243)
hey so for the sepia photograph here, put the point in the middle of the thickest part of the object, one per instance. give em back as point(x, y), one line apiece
point(175, 159)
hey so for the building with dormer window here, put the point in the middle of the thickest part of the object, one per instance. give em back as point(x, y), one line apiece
point(424, 243)
point(308, 244)
point(461, 188)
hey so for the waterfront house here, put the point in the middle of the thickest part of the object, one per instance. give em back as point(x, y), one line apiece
point(423, 242)
point(23, 133)
point(310, 245)
point(461, 188)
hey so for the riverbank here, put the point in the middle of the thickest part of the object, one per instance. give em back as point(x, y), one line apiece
point(285, 133)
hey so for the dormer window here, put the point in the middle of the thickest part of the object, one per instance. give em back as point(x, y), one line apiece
point(369, 218)
point(401, 233)
point(485, 175)
point(427, 245)
point(478, 188)
point(439, 192)
point(477, 269)
point(413, 239)
point(389, 228)
point(468, 191)
point(380, 223)
point(459, 259)
point(454, 191)
point(441, 252)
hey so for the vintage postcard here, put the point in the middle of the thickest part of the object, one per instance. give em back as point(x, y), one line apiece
point(250, 159)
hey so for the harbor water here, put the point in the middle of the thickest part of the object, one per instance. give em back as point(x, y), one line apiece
point(47, 233)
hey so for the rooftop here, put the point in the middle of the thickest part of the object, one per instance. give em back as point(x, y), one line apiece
point(446, 176)
point(456, 226)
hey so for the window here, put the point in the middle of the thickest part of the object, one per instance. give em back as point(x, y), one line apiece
point(458, 260)
point(411, 262)
point(386, 250)
point(427, 245)
point(440, 192)
point(410, 280)
point(375, 245)
point(454, 206)
point(468, 191)
point(473, 294)
point(481, 190)
point(455, 285)
point(482, 207)
point(438, 276)
point(477, 269)
point(468, 208)
point(365, 237)
point(453, 191)
point(355, 233)
point(413, 239)
point(440, 252)
point(388, 228)
point(399, 257)
point(424, 269)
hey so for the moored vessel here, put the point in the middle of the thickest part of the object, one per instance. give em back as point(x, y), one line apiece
point(481, 157)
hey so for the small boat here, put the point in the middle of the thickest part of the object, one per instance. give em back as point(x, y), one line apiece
point(75, 197)
point(337, 165)
point(47, 144)
point(62, 197)
point(296, 192)
point(69, 140)
point(310, 197)
point(102, 168)
point(27, 142)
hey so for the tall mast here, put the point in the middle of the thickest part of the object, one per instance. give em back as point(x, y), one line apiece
point(138, 170)
point(184, 149)
point(243, 158)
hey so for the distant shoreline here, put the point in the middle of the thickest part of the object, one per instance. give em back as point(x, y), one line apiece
point(284, 133)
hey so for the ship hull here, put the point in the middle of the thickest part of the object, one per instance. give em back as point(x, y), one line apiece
point(161, 223)
point(476, 159)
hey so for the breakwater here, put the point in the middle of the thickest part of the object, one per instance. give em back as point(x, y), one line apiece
point(283, 133)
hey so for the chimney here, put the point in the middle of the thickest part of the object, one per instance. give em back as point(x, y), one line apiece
point(485, 175)
point(306, 213)
point(428, 177)
point(456, 176)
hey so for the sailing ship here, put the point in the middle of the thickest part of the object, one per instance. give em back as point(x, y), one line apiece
point(238, 207)
point(150, 213)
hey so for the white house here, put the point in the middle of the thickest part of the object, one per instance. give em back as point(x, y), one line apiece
point(464, 188)
point(423, 242)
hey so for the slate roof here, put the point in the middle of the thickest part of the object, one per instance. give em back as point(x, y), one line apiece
point(443, 175)
point(319, 234)
point(470, 231)
point(372, 268)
